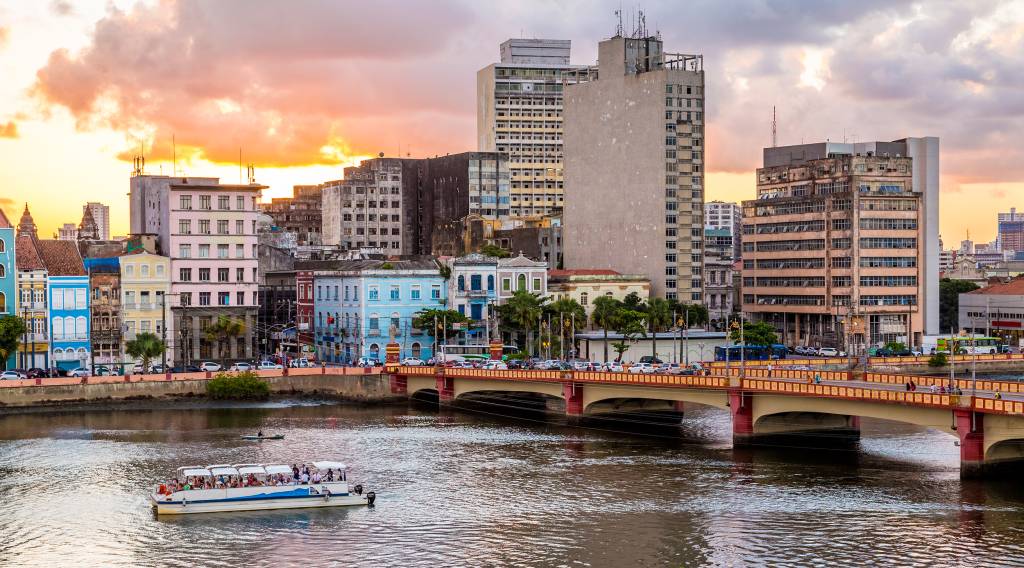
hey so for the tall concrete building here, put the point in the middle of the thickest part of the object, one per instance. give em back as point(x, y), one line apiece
point(209, 231)
point(1011, 231)
point(634, 166)
point(727, 216)
point(101, 216)
point(397, 204)
point(299, 214)
point(841, 246)
point(519, 112)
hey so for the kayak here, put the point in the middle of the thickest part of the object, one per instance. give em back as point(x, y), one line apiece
point(272, 437)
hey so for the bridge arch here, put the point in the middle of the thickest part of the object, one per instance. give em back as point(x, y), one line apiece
point(770, 410)
point(597, 397)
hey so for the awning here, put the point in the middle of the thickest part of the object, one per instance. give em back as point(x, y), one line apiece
point(325, 465)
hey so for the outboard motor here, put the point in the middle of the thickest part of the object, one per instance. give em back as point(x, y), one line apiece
point(358, 489)
point(370, 498)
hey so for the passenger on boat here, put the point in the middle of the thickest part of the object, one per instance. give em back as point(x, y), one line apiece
point(330, 474)
point(316, 477)
point(305, 477)
point(295, 471)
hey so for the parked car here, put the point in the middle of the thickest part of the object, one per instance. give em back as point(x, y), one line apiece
point(101, 371)
point(209, 366)
point(80, 372)
point(495, 366)
point(268, 366)
point(240, 366)
point(367, 362)
point(12, 375)
point(613, 367)
point(828, 352)
point(158, 368)
point(669, 369)
point(186, 369)
point(516, 364)
point(651, 360)
point(641, 368)
point(413, 362)
point(301, 363)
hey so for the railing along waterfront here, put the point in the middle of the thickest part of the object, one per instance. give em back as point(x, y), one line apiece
point(199, 376)
point(941, 381)
point(850, 393)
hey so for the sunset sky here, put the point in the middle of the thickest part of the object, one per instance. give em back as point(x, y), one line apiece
point(306, 87)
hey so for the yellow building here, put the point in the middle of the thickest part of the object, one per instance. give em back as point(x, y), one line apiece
point(586, 285)
point(145, 281)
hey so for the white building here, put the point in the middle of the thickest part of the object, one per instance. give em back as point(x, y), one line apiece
point(67, 232)
point(101, 215)
point(521, 273)
point(519, 112)
point(728, 216)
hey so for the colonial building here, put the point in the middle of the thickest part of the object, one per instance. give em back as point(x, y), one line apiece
point(105, 310)
point(145, 287)
point(588, 284)
point(8, 276)
point(473, 291)
point(520, 273)
point(33, 304)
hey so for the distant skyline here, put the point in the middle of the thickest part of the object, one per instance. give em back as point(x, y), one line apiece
point(304, 88)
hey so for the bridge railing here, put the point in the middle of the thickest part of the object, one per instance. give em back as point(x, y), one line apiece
point(853, 393)
point(798, 374)
point(998, 406)
point(962, 384)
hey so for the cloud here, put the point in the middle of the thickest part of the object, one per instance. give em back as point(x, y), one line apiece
point(9, 130)
point(5, 34)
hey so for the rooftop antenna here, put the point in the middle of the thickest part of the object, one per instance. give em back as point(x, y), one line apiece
point(618, 15)
point(775, 130)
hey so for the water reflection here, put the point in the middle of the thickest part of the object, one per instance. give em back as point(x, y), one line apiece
point(459, 488)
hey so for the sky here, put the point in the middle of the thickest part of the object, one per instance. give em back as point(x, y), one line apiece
point(305, 87)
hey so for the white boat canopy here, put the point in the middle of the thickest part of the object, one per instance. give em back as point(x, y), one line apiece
point(274, 469)
point(326, 465)
point(218, 470)
point(253, 469)
point(193, 471)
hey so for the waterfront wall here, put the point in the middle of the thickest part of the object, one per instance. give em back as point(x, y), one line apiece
point(346, 384)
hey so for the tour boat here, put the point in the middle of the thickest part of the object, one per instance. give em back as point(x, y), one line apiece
point(223, 498)
point(261, 438)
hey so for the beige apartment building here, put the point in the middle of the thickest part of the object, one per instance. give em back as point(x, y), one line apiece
point(586, 285)
point(145, 283)
point(840, 248)
point(519, 113)
point(634, 167)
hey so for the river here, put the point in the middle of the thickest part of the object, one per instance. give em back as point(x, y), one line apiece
point(475, 489)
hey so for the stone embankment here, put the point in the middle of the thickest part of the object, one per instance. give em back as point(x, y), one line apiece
point(362, 385)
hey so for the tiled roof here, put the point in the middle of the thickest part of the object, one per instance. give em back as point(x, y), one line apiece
point(26, 257)
point(1014, 287)
point(581, 272)
point(4, 223)
point(61, 257)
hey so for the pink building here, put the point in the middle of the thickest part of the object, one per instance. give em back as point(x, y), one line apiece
point(208, 230)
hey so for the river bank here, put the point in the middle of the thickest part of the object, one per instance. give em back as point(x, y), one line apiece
point(362, 388)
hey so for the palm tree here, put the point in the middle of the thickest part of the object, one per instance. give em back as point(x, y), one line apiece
point(145, 347)
point(606, 310)
point(658, 316)
point(446, 274)
point(521, 312)
point(568, 311)
point(223, 330)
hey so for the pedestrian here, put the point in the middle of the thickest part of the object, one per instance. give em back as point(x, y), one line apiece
point(817, 378)
point(769, 370)
point(907, 385)
point(998, 395)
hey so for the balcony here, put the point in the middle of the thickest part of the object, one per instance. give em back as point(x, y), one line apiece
point(477, 293)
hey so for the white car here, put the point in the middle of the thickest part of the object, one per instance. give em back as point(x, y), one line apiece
point(828, 352)
point(267, 366)
point(11, 376)
point(79, 372)
point(641, 368)
point(241, 366)
point(210, 366)
point(495, 366)
point(612, 367)
point(302, 363)
point(413, 362)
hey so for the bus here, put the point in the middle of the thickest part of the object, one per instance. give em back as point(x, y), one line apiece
point(972, 345)
point(750, 352)
point(473, 352)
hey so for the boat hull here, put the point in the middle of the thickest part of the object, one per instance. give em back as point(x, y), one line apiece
point(258, 498)
point(188, 508)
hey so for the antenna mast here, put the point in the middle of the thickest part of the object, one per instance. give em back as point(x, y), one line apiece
point(775, 131)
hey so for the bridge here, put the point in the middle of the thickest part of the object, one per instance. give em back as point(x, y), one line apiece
point(765, 405)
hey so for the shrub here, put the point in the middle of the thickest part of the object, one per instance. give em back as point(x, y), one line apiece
point(938, 360)
point(239, 386)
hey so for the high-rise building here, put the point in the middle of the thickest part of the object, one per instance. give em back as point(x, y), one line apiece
point(519, 112)
point(728, 216)
point(67, 232)
point(299, 214)
point(101, 216)
point(634, 167)
point(395, 204)
point(841, 246)
point(209, 231)
point(1011, 231)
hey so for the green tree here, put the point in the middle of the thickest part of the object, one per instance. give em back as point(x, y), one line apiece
point(567, 311)
point(633, 301)
point(605, 310)
point(12, 328)
point(629, 324)
point(755, 333)
point(145, 347)
point(659, 316)
point(425, 319)
point(949, 302)
point(446, 274)
point(494, 250)
point(223, 330)
point(522, 313)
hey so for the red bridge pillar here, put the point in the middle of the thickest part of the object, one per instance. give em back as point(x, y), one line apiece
point(573, 393)
point(970, 426)
point(496, 349)
point(399, 384)
point(741, 404)
point(445, 389)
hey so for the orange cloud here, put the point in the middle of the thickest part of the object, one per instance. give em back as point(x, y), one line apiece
point(9, 130)
point(5, 33)
point(306, 83)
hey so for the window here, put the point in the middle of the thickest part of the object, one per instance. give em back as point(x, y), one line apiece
point(81, 329)
point(490, 282)
point(159, 270)
point(435, 292)
point(222, 274)
point(185, 226)
point(239, 251)
point(475, 282)
point(185, 202)
point(186, 298)
point(185, 274)
point(184, 251)
point(204, 251)
point(239, 275)
point(240, 298)
point(129, 270)
point(222, 226)
point(223, 298)
point(204, 274)
point(396, 321)
point(536, 284)
point(887, 243)
point(239, 227)
point(374, 293)
point(204, 202)
point(223, 202)
point(240, 203)
point(506, 284)
point(222, 251)
point(461, 283)
point(204, 226)
point(395, 293)
point(414, 293)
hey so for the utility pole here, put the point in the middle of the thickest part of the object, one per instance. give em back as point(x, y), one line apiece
point(163, 329)
point(675, 324)
point(686, 336)
point(952, 358)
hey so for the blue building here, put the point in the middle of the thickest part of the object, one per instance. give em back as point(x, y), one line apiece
point(67, 287)
point(362, 305)
point(8, 275)
point(473, 291)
